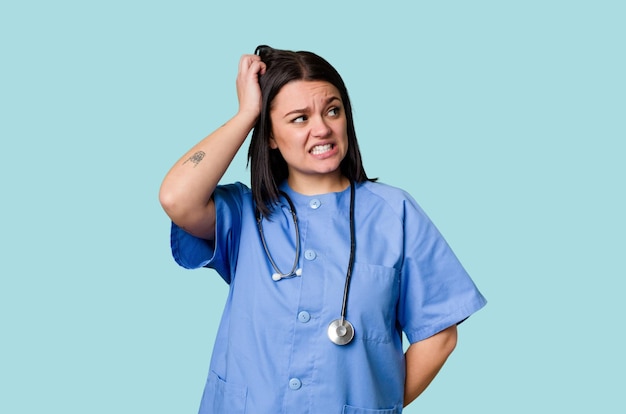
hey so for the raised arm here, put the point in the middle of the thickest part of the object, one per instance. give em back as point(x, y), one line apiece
point(186, 192)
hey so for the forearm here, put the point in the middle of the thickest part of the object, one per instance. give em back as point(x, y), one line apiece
point(187, 188)
point(424, 359)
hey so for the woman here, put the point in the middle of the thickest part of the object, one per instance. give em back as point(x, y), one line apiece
point(326, 267)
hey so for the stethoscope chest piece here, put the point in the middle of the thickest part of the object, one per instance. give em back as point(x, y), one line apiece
point(340, 331)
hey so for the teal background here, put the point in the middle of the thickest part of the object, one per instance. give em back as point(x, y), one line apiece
point(504, 119)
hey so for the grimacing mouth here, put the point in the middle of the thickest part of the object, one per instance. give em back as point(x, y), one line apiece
point(321, 148)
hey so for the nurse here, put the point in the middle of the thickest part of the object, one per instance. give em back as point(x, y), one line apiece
point(326, 267)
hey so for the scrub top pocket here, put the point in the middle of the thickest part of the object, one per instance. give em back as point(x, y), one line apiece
point(223, 397)
point(372, 301)
point(348, 409)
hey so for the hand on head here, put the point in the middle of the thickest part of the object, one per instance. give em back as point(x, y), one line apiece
point(248, 89)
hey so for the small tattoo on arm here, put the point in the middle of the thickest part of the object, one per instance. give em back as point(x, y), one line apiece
point(195, 158)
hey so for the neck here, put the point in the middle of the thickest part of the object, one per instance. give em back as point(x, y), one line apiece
point(311, 185)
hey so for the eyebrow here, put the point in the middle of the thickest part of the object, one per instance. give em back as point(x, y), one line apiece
point(307, 109)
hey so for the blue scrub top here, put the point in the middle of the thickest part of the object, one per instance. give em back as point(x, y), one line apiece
point(272, 353)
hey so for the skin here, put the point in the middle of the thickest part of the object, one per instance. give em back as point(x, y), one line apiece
point(304, 115)
point(424, 359)
point(309, 129)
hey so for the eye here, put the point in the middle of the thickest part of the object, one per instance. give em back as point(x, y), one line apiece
point(333, 111)
point(300, 119)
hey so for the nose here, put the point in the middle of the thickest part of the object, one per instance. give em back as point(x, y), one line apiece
point(320, 127)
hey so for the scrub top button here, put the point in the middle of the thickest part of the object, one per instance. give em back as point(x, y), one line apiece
point(315, 203)
point(304, 316)
point(295, 384)
point(310, 254)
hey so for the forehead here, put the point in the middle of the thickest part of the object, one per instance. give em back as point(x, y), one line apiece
point(303, 94)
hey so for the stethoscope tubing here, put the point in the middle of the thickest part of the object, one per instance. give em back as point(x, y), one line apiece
point(293, 272)
point(346, 288)
point(340, 331)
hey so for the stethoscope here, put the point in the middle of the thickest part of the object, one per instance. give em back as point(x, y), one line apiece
point(340, 331)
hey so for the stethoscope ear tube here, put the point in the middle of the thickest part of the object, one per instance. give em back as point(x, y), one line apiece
point(278, 275)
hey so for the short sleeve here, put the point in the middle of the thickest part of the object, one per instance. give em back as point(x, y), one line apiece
point(436, 291)
point(192, 252)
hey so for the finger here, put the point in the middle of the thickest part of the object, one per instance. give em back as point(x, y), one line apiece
point(247, 61)
point(253, 71)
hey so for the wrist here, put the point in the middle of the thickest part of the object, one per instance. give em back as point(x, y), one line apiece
point(241, 123)
point(248, 117)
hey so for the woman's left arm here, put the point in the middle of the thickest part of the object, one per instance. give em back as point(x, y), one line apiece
point(424, 359)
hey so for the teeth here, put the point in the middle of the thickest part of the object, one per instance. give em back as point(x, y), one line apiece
point(320, 149)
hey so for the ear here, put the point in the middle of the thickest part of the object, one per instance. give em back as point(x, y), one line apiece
point(272, 142)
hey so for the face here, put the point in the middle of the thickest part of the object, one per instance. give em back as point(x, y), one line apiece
point(309, 129)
